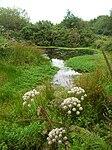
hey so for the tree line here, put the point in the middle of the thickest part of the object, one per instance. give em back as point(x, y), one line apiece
point(72, 31)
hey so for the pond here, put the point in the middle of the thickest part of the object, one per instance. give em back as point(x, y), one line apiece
point(65, 54)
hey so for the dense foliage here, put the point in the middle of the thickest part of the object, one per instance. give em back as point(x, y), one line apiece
point(71, 32)
point(103, 24)
point(13, 19)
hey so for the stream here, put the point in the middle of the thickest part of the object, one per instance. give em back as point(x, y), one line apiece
point(64, 75)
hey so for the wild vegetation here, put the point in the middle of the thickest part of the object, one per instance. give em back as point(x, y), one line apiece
point(35, 114)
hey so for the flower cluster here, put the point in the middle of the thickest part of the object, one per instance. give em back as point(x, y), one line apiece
point(28, 96)
point(57, 135)
point(77, 90)
point(72, 104)
point(82, 97)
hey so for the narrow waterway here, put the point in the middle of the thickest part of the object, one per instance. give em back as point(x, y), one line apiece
point(64, 76)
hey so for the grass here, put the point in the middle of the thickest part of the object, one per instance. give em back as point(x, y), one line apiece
point(83, 140)
point(66, 48)
point(21, 69)
point(23, 78)
point(86, 63)
point(13, 132)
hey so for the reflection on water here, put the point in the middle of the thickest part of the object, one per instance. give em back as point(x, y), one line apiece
point(64, 76)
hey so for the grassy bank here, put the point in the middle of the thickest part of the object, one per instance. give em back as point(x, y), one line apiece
point(86, 63)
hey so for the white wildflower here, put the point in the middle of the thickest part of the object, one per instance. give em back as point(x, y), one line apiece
point(65, 107)
point(80, 108)
point(71, 104)
point(30, 94)
point(53, 140)
point(60, 135)
point(24, 97)
point(48, 138)
point(82, 97)
point(59, 141)
point(74, 109)
point(77, 112)
point(63, 131)
point(85, 95)
point(74, 103)
point(49, 142)
point(29, 105)
point(78, 101)
point(32, 100)
point(69, 92)
point(56, 135)
point(69, 112)
point(24, 103)
point(57, 132)
point(78, 105)
point(76, 90)
point(65, 138)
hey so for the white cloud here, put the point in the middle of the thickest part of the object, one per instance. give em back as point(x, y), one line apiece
point(55, 10)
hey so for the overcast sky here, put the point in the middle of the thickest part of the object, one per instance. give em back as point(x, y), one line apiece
point(55, 10)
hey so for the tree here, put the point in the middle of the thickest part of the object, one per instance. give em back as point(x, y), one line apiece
point(70, 21)
point(13, 18)
point(39, 33)
point(28, 32)
point(59, 36)
point(73, 39)
point(44, 32)
point(103, 24)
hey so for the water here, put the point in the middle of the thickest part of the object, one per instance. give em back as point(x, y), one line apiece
point(61, 53)
point(64, 76)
